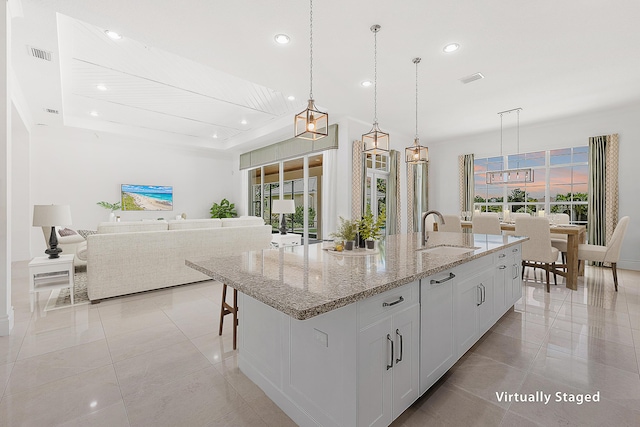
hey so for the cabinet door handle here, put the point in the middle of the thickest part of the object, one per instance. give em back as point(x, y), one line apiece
point(514, 250)
point(400, 335)
point(484, 293)
point(502, 255)
point(391, 341)
point(389, 304)
point(502, 267)
point(479, 301)
point(515, 272)
point(437, 282)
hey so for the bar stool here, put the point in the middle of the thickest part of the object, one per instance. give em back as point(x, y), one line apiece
point(225, 309)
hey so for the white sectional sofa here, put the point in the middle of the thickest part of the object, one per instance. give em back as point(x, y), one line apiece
point(136, 256)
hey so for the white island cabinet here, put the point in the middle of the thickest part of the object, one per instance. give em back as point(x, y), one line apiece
point(341, 340)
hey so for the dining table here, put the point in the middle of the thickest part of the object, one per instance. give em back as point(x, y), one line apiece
point(576, 234)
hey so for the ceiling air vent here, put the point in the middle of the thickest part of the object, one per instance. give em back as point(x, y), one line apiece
point(39, 53)
point(472, 78)
point(51, 111)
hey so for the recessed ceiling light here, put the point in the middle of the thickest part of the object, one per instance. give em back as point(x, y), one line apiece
point(94, 113)
point(451, 47)
point(291, 98)
point(113, 34)
point(282, 38)
point(101, 87)
point(366, 83)
point(244, 122)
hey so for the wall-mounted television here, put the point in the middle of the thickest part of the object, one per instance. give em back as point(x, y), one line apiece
point(147, 197)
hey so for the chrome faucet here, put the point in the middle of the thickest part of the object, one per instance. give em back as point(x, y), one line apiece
point(425, 237)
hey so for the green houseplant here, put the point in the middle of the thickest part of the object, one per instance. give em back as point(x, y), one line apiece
point(370, 228)
point(346, 232)
point(223, 210)
point(112, 207)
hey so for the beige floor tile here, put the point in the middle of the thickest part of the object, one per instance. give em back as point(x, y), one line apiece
point(81, 317)
point(581, 313)
point(213, 291)
point(199, 398)
point(215, 347)
point(135, 343)
point(614, 384)
point(604, 412)
point(63, 400)
point(116, 325)
point(636, 338)
point(5, 374)
point(511, 419)
point(541, 319)
point(539, 303)
point(35, 343)
point(43, 369)
point(10, 348)
point(525, 331)
point(269, 412)
point(634, 319)
point(203, 323)
point(126, 306)
point(594, 349)
point(445, 406)
point(247, 389)
point(111, 416)
point(482, 377)
point(597, 328)
point(141, 374)
point(508, 350)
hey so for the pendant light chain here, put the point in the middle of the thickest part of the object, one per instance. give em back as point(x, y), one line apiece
point(417, 61)
point(375, 76)
point(311, 49)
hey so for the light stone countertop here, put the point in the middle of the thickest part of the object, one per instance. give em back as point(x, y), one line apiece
point(305, 281)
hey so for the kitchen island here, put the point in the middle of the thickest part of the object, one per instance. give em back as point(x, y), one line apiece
point(345, 339)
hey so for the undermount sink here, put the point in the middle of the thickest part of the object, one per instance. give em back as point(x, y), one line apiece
point(447, 250)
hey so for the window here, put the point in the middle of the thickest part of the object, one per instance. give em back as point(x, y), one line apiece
point(560, 183)
point(376, 185)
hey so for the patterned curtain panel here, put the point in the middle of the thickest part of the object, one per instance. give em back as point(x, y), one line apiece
point(393, 199)
point(465, 180)
point(358, 184)
point(410, 192)
point(603, 188)
point(420, 193)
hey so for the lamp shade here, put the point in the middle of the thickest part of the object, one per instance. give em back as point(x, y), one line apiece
point(283, 206)
point(51, 215)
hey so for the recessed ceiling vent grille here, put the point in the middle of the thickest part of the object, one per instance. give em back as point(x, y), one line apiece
point(39, 53)
point(472, 78)
point(51, 111)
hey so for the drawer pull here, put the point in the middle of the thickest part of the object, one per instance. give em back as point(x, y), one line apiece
point(502, 267)
point(391, 341)
point(389, 304)
point(502, 255)
point(515, 250)
point(437, 282)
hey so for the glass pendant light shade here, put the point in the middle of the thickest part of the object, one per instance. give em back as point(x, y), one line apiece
point(416, 154)
point(311, 123)
point(510, 176)
point(375, 141)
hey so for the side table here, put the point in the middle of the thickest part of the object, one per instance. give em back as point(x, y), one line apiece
point(288, 239)
point(47, 274)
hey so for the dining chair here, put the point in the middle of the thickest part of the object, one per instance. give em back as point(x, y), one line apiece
point(609, 253)
point(538, 248)
point(559, 241)
point(451, 224)
point(486, 223)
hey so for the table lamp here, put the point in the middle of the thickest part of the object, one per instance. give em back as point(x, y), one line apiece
point(50, 216)
point(283, 207)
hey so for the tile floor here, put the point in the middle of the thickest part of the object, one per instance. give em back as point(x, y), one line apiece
point(156, 359)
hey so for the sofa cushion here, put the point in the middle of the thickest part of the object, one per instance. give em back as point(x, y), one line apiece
point(85, 233)
point(131, 226)
point(66, 232)
point(189, 224)
point(243, 221)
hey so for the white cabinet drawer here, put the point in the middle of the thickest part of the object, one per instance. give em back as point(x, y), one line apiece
point(387, 303)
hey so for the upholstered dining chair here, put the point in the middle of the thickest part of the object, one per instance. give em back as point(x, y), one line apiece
point(609, 253)
point(538, 248)
point(559, 241)
point(486, 223)
point(451, 224)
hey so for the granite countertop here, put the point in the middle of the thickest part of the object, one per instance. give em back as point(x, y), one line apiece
point(305, 281)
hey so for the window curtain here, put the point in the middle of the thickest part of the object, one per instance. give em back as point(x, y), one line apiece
point(466, 185)
point(393, 193)
point(410, 191)
point(359, 180)
point(603, 188)
point(419, 194)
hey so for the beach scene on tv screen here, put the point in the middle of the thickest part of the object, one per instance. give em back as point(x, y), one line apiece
point(147, 198)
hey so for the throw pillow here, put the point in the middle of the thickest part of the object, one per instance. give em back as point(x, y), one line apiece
point(85, 233)
point(66, 232)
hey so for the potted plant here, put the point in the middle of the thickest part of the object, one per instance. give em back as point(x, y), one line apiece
point(370, 228)
point(223, 210)
point(112, 207)
point(346, 232)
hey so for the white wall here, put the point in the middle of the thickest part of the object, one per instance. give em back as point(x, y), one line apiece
point(80, 168)
point(20, 206)
point(562, 133)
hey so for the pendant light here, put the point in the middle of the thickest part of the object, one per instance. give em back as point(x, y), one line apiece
point(416, 154)
point(376, 141)
point(311, 124)
point(510, 176)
